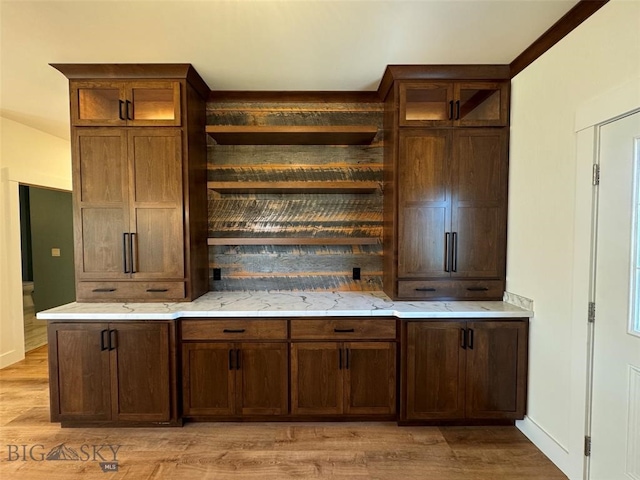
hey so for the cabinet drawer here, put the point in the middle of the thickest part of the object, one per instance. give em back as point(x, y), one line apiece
point(129, 291)
point(446, 290)
point(234, 329)
point(342, 329)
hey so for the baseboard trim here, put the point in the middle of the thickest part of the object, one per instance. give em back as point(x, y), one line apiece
point(9, 358)
point(548, 445)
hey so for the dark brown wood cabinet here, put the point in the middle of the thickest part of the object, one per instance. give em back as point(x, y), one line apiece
point(343, 377)
point(464, 370)
point(225, 378)
point(445, 205)
point(139, 182)
point(112, 373)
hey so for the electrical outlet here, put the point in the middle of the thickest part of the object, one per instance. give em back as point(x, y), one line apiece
point(217, 274)
point(356, 273)
point(55, 252)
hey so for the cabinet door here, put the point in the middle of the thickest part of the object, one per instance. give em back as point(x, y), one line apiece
point(208, 379)
point(101, 215)
point(79, 372)
point(153, 104)
point(140, 366)
point(496, 369)
point(424, 203)
point(479, 176)
point(426, 104)
point(370, 378)
point(316, 378)
point(157, 228)
point(98, 103)
point(435, 371)
point(481, 104)
point(262, 371)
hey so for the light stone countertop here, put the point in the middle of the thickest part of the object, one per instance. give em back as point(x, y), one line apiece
point(287, 304)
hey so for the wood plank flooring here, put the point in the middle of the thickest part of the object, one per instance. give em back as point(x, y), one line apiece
point(261, 451)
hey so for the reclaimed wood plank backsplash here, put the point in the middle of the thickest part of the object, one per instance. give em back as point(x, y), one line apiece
point(297, 215)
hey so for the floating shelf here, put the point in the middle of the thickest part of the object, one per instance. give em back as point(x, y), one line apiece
point(294, 187)
point(293, 241)
point(292, 135)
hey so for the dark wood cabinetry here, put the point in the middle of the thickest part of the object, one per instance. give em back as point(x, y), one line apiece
point(139, 181)
point(464, 370)
point(235, 368)
point(446, 186)
point(346, 377)
point(112, 373)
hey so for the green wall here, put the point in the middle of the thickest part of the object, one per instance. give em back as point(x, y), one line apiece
point(51, 227)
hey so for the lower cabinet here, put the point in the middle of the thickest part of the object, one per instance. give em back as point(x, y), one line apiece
point(230, 379)
point(117, 372)
point(351, 378)
point(464, 370)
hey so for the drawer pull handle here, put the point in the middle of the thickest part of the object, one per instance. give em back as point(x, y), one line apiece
point(230, 330)
point(103, 290)
point(157, 290)
point(344, 330)
point(425, 289)
point(478, 289)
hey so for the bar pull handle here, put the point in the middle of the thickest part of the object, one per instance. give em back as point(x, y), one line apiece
point(113, 339)
point(477, 289)
point(344, 330)
point(125, 238)
point(454, 252)
point(470, 341)
point(447, 268)
point(238, 357)
point(103, 340)
point(463, 338)
point(132, 256)
point(231, 359)
point(232, 330)
point(120, 112)
point(451, 110)
point(129, 110)
point(339, 359)
point(425, 289)
point(348, 354)
point(458, 110)
point(157, 290)
point(103, 290)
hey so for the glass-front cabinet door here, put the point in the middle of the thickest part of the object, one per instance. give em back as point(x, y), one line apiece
point(144, 103)
point(426, 104)
point(481, 104)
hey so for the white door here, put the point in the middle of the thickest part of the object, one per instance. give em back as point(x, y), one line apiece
point(615, 420)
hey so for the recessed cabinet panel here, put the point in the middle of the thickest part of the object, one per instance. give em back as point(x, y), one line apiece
point(478, 242)
point(479, 172)
point(262, 382)
point(158, 243)
point(423, 171)
point(101, 243)
point(422, 247)
point(316, 379)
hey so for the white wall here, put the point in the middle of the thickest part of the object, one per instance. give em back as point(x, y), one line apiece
point(27, 156)
point(548, 253)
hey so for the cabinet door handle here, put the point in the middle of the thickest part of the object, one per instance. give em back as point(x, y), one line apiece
point(238, 357)
point(446, 251)
point(125, 238)
point(451, 110)
point(458, 110)
point(477, 289)
point(120, 113)
point(347, 352)
point(231, 330)
point(103, 290)
point(339, 359)
point(113, 339)
point(129, 110)
point(103, 340)
point(470, 341)
point(454, 252)
point(157, 290)
point(231, 359)
point(132, 257)
point(463, 338)
point(344, 330)
point(425, 289)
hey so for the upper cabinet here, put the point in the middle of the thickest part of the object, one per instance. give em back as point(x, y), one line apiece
point(464, 104)
point(117, 103)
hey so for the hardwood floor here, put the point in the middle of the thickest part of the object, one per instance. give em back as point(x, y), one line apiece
point(249, 451)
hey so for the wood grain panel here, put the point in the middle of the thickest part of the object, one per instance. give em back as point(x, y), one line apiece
point(158, 243)
point(297, 283)
point(100, 166)
point(422, 245)
point(234, 330)
point(262, 379)
point(342, 329)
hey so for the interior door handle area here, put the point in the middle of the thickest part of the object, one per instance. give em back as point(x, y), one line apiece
point(447, 241)
point(454, 252)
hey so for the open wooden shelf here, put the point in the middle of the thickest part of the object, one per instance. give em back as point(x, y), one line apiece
point(294, 187)
point(293, 241)
point(292, 135)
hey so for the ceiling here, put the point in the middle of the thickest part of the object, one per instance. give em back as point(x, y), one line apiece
point(252, 44)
